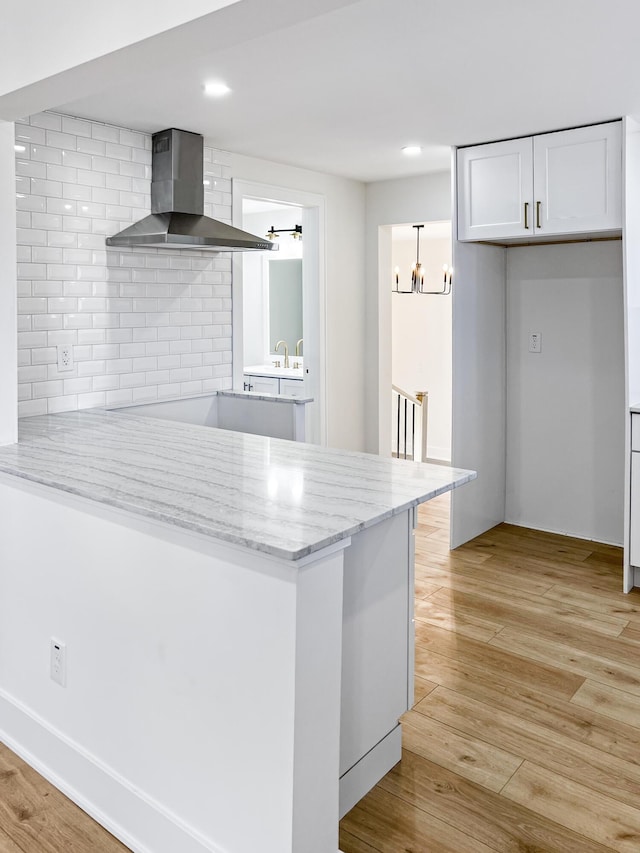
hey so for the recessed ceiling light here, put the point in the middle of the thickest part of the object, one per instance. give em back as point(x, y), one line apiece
point(216, 89)
point(412, 150)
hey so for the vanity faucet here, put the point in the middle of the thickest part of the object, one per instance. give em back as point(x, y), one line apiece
point(286, 352)
point(299, 347)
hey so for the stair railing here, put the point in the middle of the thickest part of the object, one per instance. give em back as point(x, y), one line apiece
point(404, 438)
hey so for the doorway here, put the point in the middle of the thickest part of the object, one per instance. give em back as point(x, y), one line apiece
point(261, 280)
point(420, 354)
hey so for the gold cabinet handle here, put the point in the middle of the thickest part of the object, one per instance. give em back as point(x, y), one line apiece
point(538, 206)
point(526, 214)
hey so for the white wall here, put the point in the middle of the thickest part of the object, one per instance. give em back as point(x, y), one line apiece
point(565, 405)
point(478, 435)
point(422, 198)
point(345, 210)
point(198, 754)
point(8, 342)
point(144, 324)
point(421, 338)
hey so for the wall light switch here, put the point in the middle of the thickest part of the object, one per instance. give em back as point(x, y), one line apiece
point(535, 342)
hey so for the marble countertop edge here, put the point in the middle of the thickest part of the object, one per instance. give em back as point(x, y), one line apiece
point(282, 498)
point(203, 529)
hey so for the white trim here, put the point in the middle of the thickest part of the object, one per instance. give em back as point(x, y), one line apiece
point(314, 287)
point(87, 781)
point(361, 778)
point(8, 288)
point(385, 241)
point(563, 533)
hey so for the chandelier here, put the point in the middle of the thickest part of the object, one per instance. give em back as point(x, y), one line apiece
point(417, 275)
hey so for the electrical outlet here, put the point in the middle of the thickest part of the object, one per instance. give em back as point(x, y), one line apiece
point(535, 342)
point(58, 668)
point(65, 357)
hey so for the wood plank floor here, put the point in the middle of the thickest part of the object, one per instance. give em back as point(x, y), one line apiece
point(525, 735)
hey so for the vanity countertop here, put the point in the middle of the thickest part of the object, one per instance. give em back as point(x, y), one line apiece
point(279, 372)
point(282, 498)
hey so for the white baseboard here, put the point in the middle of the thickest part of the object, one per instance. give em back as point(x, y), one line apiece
point(361, 778)
point(136, 820)
point(439, 454)
point(562, 533)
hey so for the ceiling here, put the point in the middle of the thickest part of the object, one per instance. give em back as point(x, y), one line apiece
point(429, 231)
point(342, 92)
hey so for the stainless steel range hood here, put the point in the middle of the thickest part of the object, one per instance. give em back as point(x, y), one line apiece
point(177, 218)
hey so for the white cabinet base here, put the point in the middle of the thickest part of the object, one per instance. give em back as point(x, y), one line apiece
point(361, 778)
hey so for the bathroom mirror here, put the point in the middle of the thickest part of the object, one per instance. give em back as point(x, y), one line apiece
point(285, 301)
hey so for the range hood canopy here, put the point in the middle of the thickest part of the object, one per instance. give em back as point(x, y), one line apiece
point(177, 219)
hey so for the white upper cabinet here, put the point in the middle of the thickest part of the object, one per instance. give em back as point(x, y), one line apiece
point(568, 182)
point(495, 189)
point(578, 179)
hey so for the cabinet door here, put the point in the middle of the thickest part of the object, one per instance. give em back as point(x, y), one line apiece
point(634, 550)
point(495, 190)
point(292, 387)
point(578, 180)
point(263, 384)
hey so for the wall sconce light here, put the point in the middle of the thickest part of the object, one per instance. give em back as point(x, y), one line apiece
point(274, 233)
point(417, 275)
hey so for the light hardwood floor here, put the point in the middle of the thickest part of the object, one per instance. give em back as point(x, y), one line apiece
point(525, 735)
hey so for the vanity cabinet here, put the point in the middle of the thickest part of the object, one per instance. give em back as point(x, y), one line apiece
point(274, 385)
point(263, 384)
point(568, 182)
point(292, 387)
point(634, 527)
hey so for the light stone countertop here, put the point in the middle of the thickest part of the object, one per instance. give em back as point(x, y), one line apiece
point(635, 410)
point(276, 372)
point(282, 498)
point(260, 395)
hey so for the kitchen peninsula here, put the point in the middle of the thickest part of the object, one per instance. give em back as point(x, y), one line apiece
point(235, 613)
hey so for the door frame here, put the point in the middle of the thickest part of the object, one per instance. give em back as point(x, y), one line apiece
point(313, 290)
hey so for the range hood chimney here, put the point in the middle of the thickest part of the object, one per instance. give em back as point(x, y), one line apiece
point(177, 218)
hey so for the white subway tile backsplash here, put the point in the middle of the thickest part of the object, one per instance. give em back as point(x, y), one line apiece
point(76, 126)
point(52, 388)
point(31, 202)
point(145, 394)
point(132, 138)
point(117, 397)
point(76, 159)
point(74, 192)
point(105, 383)
point(105, 196)
point(62, 206)
point(64, 173)
point(105, 132)
point(46, 155)
point(62, 404)
point(50, 121)
point(31, 169)
point(76, 223)
point(90, 401)
point(56, 139)
point(144, 324)
point(32, 407)
point(28, 133)
point(91, 146)
point(87, 177)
